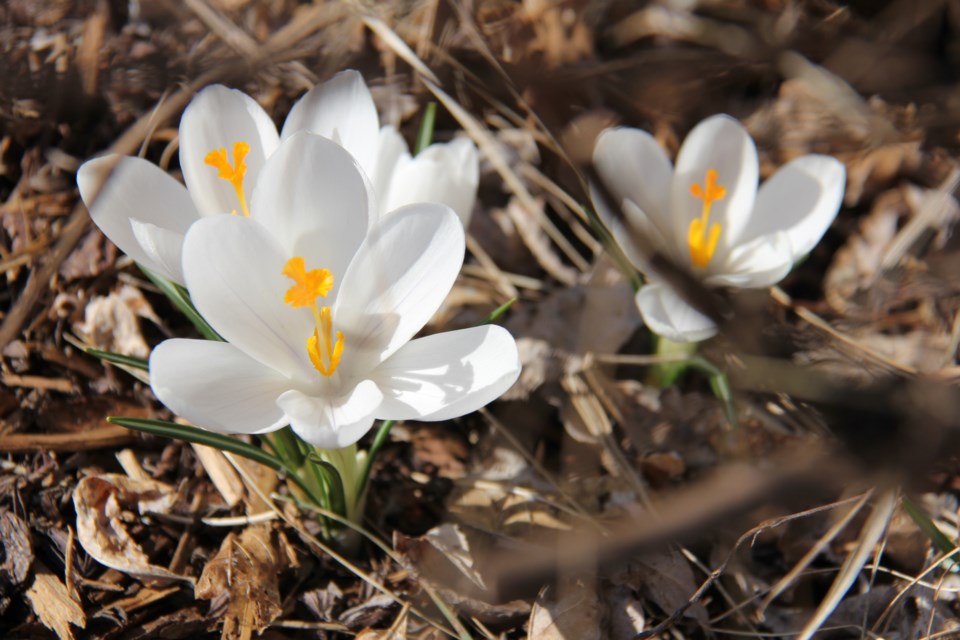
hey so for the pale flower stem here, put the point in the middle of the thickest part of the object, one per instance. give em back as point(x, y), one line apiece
point(666, 374)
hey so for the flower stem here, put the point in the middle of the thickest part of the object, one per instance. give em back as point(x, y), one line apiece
point(666, 374)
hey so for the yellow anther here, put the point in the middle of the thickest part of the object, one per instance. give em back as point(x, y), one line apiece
point(232, 173)
point(327, 349)
point(323, 350)
point(309, 286)
point(703, 244)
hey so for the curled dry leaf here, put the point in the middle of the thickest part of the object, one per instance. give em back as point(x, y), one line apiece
point(576, 613)
point(856, 264)
point(447, 559)
point(246, 570)
point(110, 324)
point(100, 502)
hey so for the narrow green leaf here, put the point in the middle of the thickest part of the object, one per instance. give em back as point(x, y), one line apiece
point(215, 440)
point(937, 537)
point(117, 358)
point(498, 312)
point(333, 481)
point(378, 442)
point(181, 300)
point(425, 135)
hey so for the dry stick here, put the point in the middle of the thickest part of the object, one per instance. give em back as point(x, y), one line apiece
point(129, 141)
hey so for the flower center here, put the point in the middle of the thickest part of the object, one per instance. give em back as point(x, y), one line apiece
point(703, 245)
point(324, 351)
point(232, 173)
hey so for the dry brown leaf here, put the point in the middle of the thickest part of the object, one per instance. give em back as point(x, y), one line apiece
point(101, 502)
point(576, 614)
point(855, 265)
point(110, 324)
point(50, 600)
point(246, 571)
point(669, 582)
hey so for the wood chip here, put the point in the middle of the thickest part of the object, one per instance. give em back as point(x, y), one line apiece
point(50, 601)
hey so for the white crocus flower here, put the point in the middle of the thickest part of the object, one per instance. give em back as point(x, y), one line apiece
point(225, 140)
point(707, 213)
point(318, 300)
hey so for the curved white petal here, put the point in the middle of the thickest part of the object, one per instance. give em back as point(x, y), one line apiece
point(217, 118)
point(332, 423)
point(801, 199)
point(633, 167)
point(390, 149)
point(233, 268)
point(448, 374)
point(397, 280)
point(314, 200)
point(445, 173)
point(667, 315)
point(119, 191)
point(342, 110)
point(762, 262)
point(215, 386)
point(719, 143)
point(163, 247)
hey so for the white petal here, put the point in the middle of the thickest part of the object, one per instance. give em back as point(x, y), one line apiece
point(216, 387)
point(332, 423)
point(390, 149)
point(233, 268)
point(340, 109)
point(801, 199)
point(631, 229)
point(667, 315)
point(759, 263)
point(134, 190)
point(722, 144)
point(396, 282)
point(163, 247)
point(314, 200)
point(216, 118)
point(448, 374)
point(445, 173)
point(633, 167)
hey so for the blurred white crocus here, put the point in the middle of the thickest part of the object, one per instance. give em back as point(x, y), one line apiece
point(708, 215)
point(225, 140)
point(318, 299)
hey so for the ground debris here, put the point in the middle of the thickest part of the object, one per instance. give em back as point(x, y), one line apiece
point(244, 574)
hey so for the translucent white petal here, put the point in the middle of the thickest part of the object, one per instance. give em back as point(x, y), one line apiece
point(448, 374)
point(633, 167)
point(233, 268)
point(332, 423)
point(667, 315)
point(163, 247)
point(722, 144)
point(801, 199)
point(762, 262)
point(314, 200)
point(341, 109)
point(397, 280)
point(445, 173)
point(217, 118)
point(215, 386)
point(135, 190)
point(390, 149)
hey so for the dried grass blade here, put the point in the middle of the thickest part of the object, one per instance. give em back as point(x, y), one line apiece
point(873, 531)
